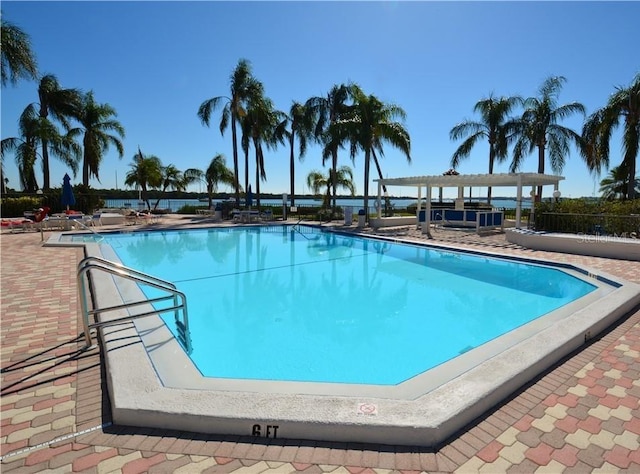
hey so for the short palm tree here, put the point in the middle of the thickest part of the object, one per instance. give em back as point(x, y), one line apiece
point(242, 83)
point(16, 57)
point(145, 173)
point(172, 179)
point(325, 111)
point(492, 127)
point(539, 128)
point(216, 173)
point(597, 130)
point(615, 186)
point(96, 122)
point(369, 124)
point(317, 181)
point(61, 104)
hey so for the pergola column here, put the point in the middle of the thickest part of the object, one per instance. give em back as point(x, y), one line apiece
point(519, 203)
point(426, 227)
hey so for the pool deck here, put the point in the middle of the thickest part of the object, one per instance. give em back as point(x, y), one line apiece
point(582, 415)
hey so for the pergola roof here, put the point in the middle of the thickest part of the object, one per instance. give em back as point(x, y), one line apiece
point(499, 179)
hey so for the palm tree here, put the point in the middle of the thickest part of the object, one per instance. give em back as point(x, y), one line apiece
point(615, 186)
point(327, 110)
point(538, 128)
point(300, 124)
point(26, 155)
point(171, 179)
point(492, 127)
point(370, 123)
point(62, 104)
point(16, 58)
point(96, 120)
point(34, 131)
point(242, 84)
point(317, 181)
point(25, 149)
point(145, 173)
point(216, 173)
point(262, 124)
point(596, 133)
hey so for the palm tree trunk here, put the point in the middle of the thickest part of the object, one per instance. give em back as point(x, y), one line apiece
point(334, 179)
point(377, 163)
point(235, 159)
point(258, 162)
point(46, 184)
point(292, 168)
point(491, 160)
point(367, 160)
point(246, 168)
point(540, 170)
point(631, 188)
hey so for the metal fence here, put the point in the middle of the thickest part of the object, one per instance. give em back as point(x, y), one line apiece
point(590, 224)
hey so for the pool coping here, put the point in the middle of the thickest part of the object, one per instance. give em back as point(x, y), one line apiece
point(138, 397)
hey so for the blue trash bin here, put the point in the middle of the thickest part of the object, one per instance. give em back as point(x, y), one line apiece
point(422, 217)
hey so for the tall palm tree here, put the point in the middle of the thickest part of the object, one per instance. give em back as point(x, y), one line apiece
point(371, 122)
point(615, 186)
point(34, 131)
point(300, 125)
point(538, 128)
point(262, 123)
point(62, 104)
point(242, 84)
point(96, 121)
point(16, 58)
point(596, 133)
point(492, 127)
point(326, 111)
point(145, 173)
point(343, 177)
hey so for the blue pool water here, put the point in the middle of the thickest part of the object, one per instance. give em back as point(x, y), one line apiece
point(275, 303)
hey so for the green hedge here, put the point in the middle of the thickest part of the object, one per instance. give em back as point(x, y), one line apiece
point(16, 206)
point(590, 206)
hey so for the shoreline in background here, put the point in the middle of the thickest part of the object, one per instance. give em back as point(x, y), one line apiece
point(398, 203)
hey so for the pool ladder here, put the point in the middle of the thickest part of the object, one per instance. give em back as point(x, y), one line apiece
point(178, 298)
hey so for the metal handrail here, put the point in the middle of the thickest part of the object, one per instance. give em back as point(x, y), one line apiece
point(84, 226)
point(113, 268)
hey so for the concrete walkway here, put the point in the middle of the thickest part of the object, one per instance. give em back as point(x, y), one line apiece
point(583, 415)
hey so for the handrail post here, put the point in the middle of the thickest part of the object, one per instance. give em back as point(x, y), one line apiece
point(85, 308)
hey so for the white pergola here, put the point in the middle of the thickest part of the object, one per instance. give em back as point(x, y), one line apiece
point(517, 180)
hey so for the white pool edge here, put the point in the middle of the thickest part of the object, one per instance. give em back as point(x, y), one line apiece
point(138, 397)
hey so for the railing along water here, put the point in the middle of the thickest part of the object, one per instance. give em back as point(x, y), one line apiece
point(178, 297)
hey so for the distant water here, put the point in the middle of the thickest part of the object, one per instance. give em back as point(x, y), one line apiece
point(399, 203)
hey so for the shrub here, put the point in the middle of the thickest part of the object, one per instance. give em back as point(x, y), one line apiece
point(15, 207)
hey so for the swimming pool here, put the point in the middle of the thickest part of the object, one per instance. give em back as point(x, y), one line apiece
point(301, 304)
point(152, 383)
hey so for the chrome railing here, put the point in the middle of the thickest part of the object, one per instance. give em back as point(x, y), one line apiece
point(178, 298)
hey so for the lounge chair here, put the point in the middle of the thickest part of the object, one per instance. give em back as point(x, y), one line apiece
point(96, 219)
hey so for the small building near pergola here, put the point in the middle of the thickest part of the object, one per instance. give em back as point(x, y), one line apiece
point(460, 181)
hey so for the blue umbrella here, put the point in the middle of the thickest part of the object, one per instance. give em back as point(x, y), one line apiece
point(68, 198)
point(249, 197)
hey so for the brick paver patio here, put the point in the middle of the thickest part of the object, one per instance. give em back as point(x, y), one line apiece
point(582, 415)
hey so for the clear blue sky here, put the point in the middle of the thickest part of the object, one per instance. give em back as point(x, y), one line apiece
point(156, 62)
